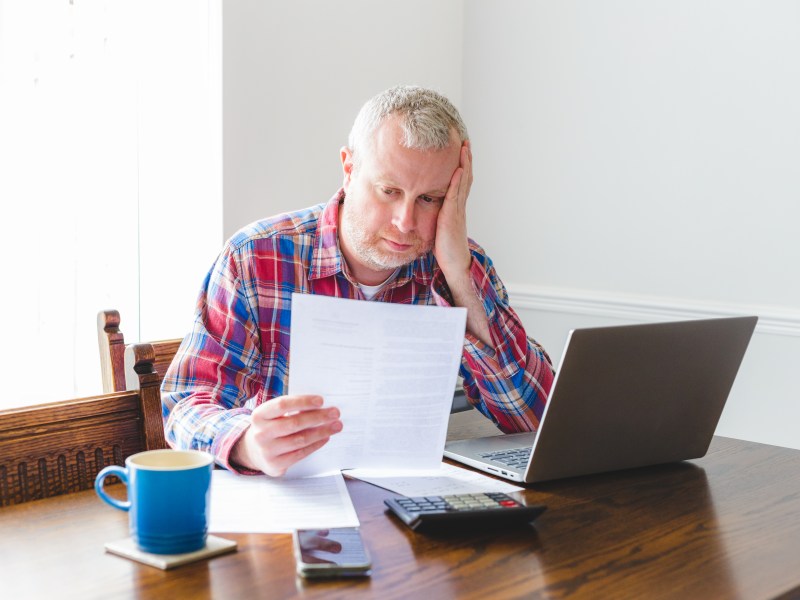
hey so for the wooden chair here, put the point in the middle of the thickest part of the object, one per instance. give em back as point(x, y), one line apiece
point(113, 354)
point(59, 447)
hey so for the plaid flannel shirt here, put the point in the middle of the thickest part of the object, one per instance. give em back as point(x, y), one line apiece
point(237, 353)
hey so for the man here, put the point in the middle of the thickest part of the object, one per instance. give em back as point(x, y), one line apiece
point(395, 232)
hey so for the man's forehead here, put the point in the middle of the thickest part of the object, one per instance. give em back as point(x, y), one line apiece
point(394, 164)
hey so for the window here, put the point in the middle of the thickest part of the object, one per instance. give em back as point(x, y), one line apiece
point(110, 179)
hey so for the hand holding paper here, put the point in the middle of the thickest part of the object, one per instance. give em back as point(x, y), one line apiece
point(390, 369)
point(284, 431)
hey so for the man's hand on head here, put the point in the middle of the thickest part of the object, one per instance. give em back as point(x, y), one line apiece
point(451, 247)
point(283, 431)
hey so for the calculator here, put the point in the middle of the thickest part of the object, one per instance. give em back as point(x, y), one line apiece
point(490, 508)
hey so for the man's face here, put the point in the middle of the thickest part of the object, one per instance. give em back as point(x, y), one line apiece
point(393, 197)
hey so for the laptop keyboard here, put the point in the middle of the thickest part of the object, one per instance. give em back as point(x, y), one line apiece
point(516, 458)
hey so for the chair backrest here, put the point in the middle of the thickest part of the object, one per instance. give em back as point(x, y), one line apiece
point(59, 447)
point(111, 342)
point(112, 351)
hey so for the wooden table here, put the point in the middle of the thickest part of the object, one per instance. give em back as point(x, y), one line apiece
point(724, 526)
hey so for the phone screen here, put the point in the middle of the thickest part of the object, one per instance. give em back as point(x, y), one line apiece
point(331, 551)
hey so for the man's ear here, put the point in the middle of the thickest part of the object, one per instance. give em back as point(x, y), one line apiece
point(347, 166)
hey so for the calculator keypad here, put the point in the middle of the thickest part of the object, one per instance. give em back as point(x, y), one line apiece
point(459, 502)
point(432, 510)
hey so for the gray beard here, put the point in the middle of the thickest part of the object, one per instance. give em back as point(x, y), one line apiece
point(368, 253)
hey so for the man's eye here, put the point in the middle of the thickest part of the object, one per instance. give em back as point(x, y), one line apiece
point(388, 192)
point(429, 199)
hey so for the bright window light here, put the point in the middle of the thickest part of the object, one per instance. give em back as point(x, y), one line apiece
point(109, 179)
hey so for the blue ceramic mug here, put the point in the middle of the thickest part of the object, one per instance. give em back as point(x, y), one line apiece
point(168, 498)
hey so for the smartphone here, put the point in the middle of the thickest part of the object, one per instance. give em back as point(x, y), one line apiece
point(331, 553)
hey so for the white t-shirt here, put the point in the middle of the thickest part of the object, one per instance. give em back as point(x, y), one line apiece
point(370, 291)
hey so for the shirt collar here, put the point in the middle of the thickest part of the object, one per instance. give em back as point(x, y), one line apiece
point(327, 259)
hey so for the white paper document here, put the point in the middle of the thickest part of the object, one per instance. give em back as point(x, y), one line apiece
point(389, 368)
point(447, 479)
point(261, 504)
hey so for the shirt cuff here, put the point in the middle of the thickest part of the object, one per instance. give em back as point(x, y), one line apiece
point(235, 428)
point(481, 284)
point(487, 295)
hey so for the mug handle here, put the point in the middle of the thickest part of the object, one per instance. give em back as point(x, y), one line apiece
point(120, 472)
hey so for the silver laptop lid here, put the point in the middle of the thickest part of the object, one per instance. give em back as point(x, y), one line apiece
point(638, 395)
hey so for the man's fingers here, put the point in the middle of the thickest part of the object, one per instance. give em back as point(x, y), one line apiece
point(287, 405)
point(304, 438)
point(293, 423)
point(461, 181)
point(277, 466)
point(466, 165)
point(276, 451)
point(455, 185)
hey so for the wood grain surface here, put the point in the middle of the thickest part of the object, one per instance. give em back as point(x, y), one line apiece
point(724, 526)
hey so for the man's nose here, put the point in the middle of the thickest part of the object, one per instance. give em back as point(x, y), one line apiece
point(404, 217)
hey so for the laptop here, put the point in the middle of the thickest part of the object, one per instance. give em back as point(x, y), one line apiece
point(623, 397)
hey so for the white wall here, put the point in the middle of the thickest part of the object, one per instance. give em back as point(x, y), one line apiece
point(296, 73)
point(646, 159)
point(650, 147)
point(634, 160)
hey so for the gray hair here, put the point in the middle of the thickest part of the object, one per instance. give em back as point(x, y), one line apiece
point(427, 118)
